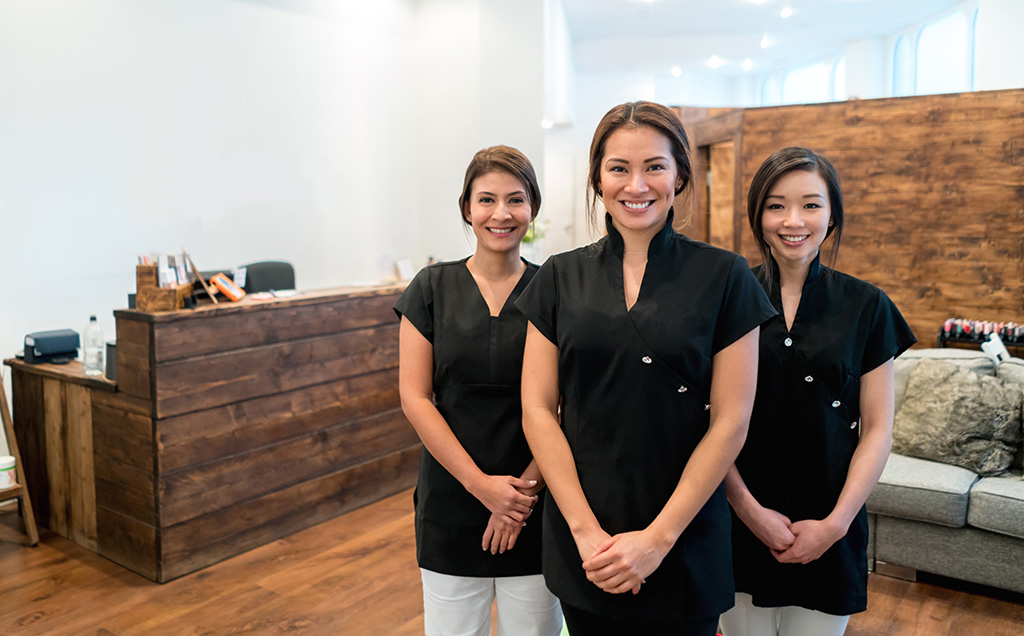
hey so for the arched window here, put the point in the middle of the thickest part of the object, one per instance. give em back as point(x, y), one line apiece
point(770, 93)
point(902, 68)
point(806, 84)
point(942, 56)
point(839, 80)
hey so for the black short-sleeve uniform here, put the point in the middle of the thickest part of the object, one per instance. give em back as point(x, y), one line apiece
point(478, 365)
point(635, 390)
point(803, 432)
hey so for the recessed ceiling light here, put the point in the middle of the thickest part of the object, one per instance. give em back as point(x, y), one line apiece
point(715, 61)
point(676, 71)
point(546, 123)
point(764, 42)
point(786, 12)
point(748, 64)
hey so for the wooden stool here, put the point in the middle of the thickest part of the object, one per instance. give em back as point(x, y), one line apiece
point(20, 490)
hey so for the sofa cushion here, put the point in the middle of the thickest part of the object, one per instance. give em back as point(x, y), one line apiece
point(974, 360)
point(923, 490)
point(953, 415)
point(997, 504)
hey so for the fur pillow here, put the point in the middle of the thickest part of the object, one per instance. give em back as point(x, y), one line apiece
point(954, 416)
point(1011, 372)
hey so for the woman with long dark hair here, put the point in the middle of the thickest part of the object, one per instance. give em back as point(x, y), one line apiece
point(821, 427)
point(638, 379)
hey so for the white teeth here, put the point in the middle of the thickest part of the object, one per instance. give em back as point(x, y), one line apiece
point(792, 239)
point(635, 206)
point(500, 230)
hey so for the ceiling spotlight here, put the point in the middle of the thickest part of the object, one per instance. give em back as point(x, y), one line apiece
point(546, 123)
point(747, 64)
point(676, 71)
point(764, 42)
point(786, 12)
point(715, 61)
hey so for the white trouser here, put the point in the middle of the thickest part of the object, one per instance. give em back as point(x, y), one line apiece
point(745, 619)
point(461, 605)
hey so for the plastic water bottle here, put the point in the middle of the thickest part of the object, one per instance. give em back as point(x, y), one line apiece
point(92, 347)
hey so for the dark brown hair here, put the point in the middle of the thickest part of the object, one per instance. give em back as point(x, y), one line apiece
point(780, 163)
point(500, 159)
point(635, 115)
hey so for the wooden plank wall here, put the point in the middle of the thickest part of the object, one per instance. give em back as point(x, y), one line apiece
point(934, 196)
point(722, 204)
point(263, 421)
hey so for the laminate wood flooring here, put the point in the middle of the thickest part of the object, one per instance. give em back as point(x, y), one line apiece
point(355, 574)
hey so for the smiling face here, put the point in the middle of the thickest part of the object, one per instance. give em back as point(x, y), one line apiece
point(499, 211)
point(796, 217)
point(638, 179)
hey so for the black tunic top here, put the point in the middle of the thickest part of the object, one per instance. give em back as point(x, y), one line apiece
point(635, 389)
point(803, 433)
point(478, 365)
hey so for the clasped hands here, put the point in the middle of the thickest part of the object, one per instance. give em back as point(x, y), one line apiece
point(621, 563)
point(511, 501)
point(793, 542)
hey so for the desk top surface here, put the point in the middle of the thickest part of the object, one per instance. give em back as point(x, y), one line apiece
point(248, 304)
point(73, 372)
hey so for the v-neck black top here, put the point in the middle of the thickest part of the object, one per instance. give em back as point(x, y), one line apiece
point(803, 433)
point(635, 389)
point(478, 365)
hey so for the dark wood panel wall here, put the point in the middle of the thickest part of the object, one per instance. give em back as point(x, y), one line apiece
point(236, 426)
point(933, 189)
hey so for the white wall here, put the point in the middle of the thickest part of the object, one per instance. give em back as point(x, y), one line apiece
point(480, 82)
point(331, 134)
point(1000, 45)
point(865, 69)
point(237, 130)
point(707, 88)
point(562, 179)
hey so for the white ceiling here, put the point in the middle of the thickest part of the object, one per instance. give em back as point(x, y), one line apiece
point(655, 35)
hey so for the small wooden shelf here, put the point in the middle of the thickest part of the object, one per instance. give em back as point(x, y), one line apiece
point(941, 341)
point(18, 491)
point(6, 494)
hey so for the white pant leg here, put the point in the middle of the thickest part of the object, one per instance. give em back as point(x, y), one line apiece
point(798, 621)
point(526, 607)
point(456, 605)
point(746, 619)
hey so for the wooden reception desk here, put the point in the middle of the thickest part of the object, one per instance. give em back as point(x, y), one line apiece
point(229, 426)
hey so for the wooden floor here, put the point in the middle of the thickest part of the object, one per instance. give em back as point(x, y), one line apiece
point(353, 575)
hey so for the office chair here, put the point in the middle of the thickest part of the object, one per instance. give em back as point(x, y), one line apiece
point(268, 275)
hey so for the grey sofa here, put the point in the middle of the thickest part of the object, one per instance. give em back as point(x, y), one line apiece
point(932, 516)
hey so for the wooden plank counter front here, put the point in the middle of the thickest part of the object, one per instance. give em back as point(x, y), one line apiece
point(52, 407)
point(237, 424)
